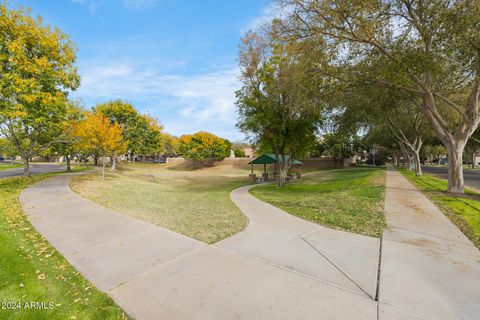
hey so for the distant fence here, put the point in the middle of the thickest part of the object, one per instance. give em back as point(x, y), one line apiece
point(308, 163)
point(322, 163)
point(175, 160)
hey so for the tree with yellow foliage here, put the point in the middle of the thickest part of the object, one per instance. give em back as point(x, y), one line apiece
point(202, 147)
point(142, 132)
point(37, 70)
point(97, 134)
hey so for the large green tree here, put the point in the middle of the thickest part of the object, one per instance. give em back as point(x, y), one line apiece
point(431, 49)
point(279, 103)
point(339, 145)
point(169, 145)
point(387, 108)
point(140, 132)
point(66, 147)
point(37, 70)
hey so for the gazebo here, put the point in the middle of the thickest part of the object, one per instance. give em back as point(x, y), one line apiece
point(270, 158)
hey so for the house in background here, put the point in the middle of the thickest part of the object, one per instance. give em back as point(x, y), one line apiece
point(249, 152)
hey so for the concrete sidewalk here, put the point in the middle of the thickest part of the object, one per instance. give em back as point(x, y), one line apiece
point(276, 269)
point(345, 260)
point(279, 267)
point(107, 247)
point(429, 269)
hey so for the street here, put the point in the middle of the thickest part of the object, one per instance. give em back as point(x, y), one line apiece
point(472, 177)
point(34, 169)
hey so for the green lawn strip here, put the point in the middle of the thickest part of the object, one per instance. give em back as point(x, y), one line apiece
point(10, 166)
point(194, 204)
point(463, 211)
point(33, 271)
point(348, 199)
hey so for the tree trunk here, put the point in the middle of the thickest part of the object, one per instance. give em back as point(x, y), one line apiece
point(69, 169)
point(114, 163)
point(95, 159)
point(408, 159)
point(104, 163)
point(283, 168)
point(406, 155)
point(282, 177)
point(455, 170)
point(409, 162)
point(395, 160)
point(418, 166)
point(143, 158)
point(474, 156)
point(26, 166)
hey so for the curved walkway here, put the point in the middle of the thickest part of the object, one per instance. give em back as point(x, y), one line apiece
point(279, 267)
point(272, 270)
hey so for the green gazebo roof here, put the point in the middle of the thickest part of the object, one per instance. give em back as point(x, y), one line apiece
point(269, 158)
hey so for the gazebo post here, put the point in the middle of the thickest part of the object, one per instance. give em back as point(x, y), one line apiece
point(252, 176)
point(265, 174)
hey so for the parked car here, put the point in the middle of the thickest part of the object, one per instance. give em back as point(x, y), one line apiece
point(160, 160)
point(443, 161)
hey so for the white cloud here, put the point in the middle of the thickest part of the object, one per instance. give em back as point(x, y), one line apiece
point(195, 102)
point(268, 13)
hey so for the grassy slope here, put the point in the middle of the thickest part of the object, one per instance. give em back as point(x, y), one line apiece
point(32, 270)
point(350, 199)
point(194, 203)
point(464, 211)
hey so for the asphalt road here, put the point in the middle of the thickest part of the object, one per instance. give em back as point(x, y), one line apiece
point(34, 169)
point(472, 177)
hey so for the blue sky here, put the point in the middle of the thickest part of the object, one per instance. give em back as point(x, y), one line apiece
point(175, 59)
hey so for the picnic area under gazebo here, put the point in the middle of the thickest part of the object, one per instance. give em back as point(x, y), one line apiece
point(269, 159)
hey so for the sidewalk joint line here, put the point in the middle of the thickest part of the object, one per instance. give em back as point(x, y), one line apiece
point(377, 289)
point(431, 235)
point(154, 266)
point(338, 268)
point(301, 274)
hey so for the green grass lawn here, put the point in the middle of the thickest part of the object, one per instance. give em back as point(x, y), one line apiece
point(195, 203)
point(33, 271)
point(347, 199)
point(5, 166)
point(463, 211)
